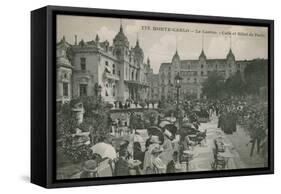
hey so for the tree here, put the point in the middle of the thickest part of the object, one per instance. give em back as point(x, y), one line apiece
point(66, 125)
point(213, 86)
point(256, 75)
point(96, 121)
point(96, 117)
point(234, 85)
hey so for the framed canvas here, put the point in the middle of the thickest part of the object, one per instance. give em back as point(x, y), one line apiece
point(126, 96)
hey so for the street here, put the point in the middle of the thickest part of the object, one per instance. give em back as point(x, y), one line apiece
point(237, 143)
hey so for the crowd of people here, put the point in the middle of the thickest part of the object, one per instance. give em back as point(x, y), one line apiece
point(130, 103)
point(168, 147)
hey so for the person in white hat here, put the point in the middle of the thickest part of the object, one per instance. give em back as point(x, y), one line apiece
point(167, 153)
point(157, 164)
point(153, 141)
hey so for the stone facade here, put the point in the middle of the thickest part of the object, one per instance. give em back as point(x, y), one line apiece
point(119, 70)
point(194, 72)
point(123, 74)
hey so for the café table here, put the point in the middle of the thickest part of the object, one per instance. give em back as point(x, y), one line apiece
point(188, 156)
point(226, 155)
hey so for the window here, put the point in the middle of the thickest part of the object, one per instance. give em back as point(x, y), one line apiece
point(106, 63)
point(83, 63)
point(113, 69)
point(195, 80)
point(65, 89)
point(132, 77)
point(83, 89)
point(119, 73)
point(202, 73)
point(113, 92)
point(202, 66)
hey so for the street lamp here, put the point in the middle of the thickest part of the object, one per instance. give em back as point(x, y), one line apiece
point(178, 79)
point(98, 90)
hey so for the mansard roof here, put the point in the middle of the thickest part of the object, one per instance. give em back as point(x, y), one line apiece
point(165, 65)
point(216, 60)
point(186, 64)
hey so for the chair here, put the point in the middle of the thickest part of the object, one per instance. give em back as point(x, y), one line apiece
point(219, 148)
point(218, 161)
point(201, 136)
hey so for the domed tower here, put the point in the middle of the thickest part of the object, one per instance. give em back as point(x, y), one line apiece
point(121, 45)
point(176, 62)
point(138, 60)
point(230, 62)
point(148, 62)
point(138, 54)
point(202, 70)
point(230, 56)
point(202, 56)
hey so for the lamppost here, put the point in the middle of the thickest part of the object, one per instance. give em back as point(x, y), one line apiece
point(98, 91)
point(178, 79)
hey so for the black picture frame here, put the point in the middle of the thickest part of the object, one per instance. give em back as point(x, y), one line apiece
point(43, 89)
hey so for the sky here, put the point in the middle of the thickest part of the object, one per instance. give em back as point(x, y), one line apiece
point(159, 44)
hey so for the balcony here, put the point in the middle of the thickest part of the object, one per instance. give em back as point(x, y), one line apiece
point(111, 76)
point(137, 83)
point(83, 73)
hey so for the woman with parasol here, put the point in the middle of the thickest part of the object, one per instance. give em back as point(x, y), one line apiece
point(169, 131)
point(147, 163)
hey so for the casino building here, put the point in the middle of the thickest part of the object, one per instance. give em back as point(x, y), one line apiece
point(119, 71)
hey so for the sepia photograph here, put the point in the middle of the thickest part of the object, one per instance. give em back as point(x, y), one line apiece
point(144, 97)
